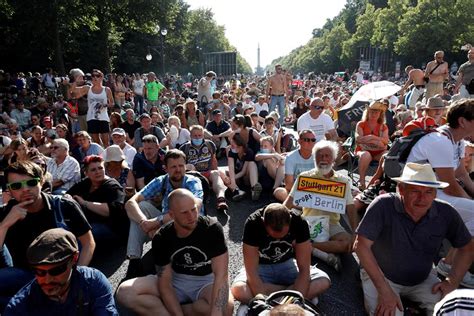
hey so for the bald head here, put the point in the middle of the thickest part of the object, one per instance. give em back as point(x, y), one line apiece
point(179, 195)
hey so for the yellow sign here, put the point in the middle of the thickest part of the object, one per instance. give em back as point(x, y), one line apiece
point(322, 186)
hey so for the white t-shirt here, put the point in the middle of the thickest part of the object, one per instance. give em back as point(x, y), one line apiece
point(97, 106)
point(263, 107)
point(319, 126)
point(437, 150)
point(138, 86)
point(295, 164)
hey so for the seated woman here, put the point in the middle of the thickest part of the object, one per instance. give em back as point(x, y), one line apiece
point(275, 133)
point(102, 201)
point(176, 135)
point(38, 140)
point(20, 151)
point(117, 168)
point(271, 160)
point(242, 169)
point(371, 138)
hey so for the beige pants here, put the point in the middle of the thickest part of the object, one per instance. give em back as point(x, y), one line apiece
point(420, 293)
point(433, 88)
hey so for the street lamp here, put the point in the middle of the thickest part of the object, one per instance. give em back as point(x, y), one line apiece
point(163, 34)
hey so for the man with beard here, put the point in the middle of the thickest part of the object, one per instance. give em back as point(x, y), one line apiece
point(143, 208)
point(60, 286)
point(28, 214)
point(148, 164)
point(339, 241)
point(64, 169)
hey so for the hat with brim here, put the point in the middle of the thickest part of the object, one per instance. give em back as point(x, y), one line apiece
point(247, 106)
point(113, 153)
point(420, 174)
point(189, 100)
point(377, 105)
point(435, 103)
point(52, 246)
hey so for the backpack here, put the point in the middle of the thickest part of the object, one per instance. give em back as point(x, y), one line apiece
point(58, 214)
point(261, 304)
point(288, 143)
point(397, 155)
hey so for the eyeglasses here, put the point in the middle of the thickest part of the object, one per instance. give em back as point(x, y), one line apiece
point(53, 271)
point(21, 184)
point(318, 107)
point(305, 139)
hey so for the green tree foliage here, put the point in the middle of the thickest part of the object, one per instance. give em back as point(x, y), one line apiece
point(109, 34)
point(411, 29)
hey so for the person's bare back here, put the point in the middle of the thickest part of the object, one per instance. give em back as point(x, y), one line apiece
point(417, 77)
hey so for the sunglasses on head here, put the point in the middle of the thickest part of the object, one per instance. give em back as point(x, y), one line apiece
point(305, 139)
point(21, 184)
point(53, 271)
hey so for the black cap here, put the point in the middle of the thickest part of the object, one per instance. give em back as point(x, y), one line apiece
point(52, 246)
point(216, 111)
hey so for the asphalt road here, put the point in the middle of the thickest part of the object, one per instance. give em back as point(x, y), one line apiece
point(343, 298)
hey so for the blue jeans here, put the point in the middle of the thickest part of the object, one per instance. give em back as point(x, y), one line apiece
point(280, 100)
point(138, 100)
point(11, 279)
point(103, 233)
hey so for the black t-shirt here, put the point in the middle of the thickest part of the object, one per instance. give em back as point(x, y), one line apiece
point(143, 168)
point(23, 232)
point(215, 129)
point(190, 255)
point(273, 250)
point(239, 162)
point(110, 192)
point(130, 128)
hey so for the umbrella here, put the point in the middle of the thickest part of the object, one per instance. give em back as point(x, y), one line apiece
point(373, 91)
point(347, 118)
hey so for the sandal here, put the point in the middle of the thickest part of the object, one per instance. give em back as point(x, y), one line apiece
point(221, 205)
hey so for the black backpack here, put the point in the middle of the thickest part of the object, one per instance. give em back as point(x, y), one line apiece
point(398, 153)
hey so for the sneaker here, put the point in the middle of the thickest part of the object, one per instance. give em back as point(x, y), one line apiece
point(238, 195)
point(443, 268)
point(242, 310)
point(334, 261)
point(256, 190)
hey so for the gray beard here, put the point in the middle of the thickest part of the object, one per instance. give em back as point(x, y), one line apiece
point(325, 170)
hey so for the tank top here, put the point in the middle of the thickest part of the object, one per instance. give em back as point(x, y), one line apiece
point(97, 106)
point(378, 131)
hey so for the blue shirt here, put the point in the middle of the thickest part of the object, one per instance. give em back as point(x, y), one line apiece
point(155, 189)
point(89, 289)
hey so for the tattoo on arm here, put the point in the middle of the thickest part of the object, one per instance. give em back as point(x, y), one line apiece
point(222, 297)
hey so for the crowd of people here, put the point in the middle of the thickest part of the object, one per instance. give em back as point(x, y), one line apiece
point(93, 160)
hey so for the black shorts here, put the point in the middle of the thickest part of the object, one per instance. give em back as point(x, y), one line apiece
point(98, 127)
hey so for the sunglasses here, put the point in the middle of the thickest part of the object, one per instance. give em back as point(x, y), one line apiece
point(21, 184)
point(53, 271)
point(318, 107)
point(55, 147)
point(305, 139)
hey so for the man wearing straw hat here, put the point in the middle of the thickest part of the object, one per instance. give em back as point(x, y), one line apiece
point(398, 239)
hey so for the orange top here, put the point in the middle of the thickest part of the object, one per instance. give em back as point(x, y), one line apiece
point(378, 131)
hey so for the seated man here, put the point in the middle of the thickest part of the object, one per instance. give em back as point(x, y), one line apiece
point(277, 256)
point(297, 161)
point(148, 164)
point(64, 169)
point(399, 238)
point(444, 151)
point(60, 286)
point(201, 156)
point(148, 208)
point(216, 128)
point(146, 129)
point(29, 213)
point(119, 138)
point(191, 257)
point(325, 153)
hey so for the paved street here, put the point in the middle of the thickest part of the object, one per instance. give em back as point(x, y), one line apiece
point(343, 298)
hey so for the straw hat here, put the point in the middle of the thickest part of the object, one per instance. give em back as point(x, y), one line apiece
point(114, 153)
point(420, 174)
point(377, 105)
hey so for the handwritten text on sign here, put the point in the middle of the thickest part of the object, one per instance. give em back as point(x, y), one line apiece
point(321, 194)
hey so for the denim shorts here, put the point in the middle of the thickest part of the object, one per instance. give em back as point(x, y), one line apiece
point(284, 273)
point(189, 287)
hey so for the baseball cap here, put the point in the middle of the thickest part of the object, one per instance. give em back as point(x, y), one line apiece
point(118, 131)
point(216, 111)
point(52, 246)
